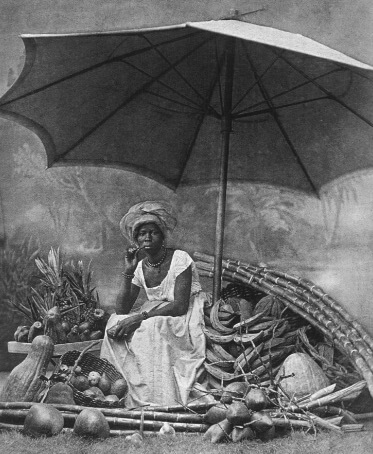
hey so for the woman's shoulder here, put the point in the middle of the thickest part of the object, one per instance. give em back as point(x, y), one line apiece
point(181, 260)
point(182, 255)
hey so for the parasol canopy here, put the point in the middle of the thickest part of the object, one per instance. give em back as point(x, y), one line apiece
point(195, 103)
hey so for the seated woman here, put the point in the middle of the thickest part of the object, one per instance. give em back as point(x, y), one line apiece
point(160, 348)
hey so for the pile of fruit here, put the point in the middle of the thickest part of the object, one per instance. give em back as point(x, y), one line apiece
point(83, 379)
point(266, 314)
point(63, 306)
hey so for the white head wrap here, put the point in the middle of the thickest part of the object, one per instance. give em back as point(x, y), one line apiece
point(157, 212)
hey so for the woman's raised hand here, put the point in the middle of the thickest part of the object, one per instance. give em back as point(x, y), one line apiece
point(131, 260)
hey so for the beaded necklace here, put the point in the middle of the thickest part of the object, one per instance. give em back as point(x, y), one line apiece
point(159, 263)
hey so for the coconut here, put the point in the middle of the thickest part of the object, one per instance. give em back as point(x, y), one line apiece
point(60, 393)
point(256, 399)
point(43, 420)
point(308, 376)
point(242, 433)
point(238, 414)
point(215, 414)
point(91, 423)
point(268, 434)
point(235, 389)
point(218, 432)
point(260, 421)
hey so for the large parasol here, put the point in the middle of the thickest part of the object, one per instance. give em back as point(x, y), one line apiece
point(162, 102)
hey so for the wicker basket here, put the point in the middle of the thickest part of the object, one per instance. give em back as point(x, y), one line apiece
point(89, 363)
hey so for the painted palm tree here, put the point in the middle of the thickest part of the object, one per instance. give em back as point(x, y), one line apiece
point(268, 219)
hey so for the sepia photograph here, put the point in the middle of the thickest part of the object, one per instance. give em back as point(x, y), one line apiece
point(186, 226)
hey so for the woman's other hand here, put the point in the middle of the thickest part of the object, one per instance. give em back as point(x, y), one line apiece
point(124, 328)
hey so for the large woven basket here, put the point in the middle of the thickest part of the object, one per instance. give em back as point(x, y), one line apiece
point(89, 363)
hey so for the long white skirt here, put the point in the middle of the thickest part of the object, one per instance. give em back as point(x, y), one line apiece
point(161, 360)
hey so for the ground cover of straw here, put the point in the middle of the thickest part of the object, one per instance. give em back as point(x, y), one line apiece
point(291, 443)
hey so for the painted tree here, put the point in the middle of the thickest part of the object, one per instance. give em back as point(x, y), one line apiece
point(59, 189)
point(266, 221)
point(333, 200)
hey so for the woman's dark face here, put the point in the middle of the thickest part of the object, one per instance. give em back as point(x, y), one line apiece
point(150, 237)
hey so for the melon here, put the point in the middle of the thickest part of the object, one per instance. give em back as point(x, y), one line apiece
point(43, 420)
point(91, 423)
point(270, 306)
point(308, 375)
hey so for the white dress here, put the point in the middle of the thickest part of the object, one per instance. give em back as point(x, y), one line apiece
point(165, 352)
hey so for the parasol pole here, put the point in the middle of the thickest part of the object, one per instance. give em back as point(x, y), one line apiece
point(226, 129)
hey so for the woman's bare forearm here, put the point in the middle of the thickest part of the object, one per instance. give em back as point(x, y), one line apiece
point(126, 298)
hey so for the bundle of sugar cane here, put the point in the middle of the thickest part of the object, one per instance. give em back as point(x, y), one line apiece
point(314, 295)
point(309, 301)
point(178, 410)
point(18, 417)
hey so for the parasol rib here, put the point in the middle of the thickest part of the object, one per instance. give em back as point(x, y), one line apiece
point(219, 72)
point(166, 98)
point(201, 120)
point(279, 123)
point(254, 85)
point(327, 92)
point(127, 101)
point(178, 72)
point(92, 68)
point(286, 92)
point(283, 106)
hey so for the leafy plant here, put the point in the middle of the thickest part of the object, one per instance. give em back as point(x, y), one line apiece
point(67, 286)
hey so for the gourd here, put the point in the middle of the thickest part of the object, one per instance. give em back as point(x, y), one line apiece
point(308, 375)
point(23, 383)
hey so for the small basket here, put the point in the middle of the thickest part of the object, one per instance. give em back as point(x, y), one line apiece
point(89, 363)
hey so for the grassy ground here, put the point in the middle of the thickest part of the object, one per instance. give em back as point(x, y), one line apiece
point(296, 443)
